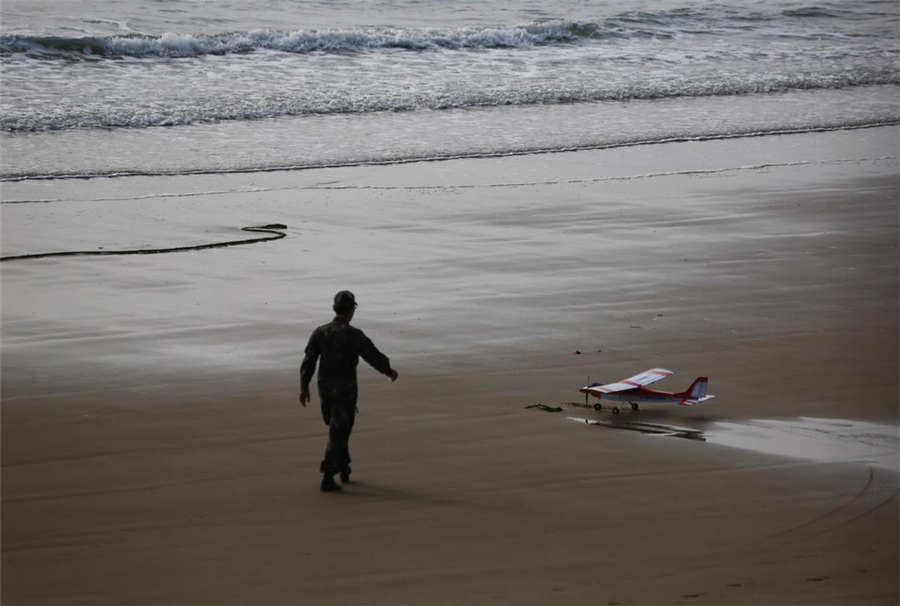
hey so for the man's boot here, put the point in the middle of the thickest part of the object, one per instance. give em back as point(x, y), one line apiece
point(345, 474)
point(328, 483)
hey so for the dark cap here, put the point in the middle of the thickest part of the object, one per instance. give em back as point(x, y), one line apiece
point(344, 302)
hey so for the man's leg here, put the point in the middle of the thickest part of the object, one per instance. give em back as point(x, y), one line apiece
point(331, 464)
point(345, 454)
point(337, 453)
point(340, 404)
point(325, 399)
point(330, 402)
point(326, 409)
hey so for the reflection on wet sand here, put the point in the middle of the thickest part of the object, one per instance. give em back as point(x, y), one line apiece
point(830, 440)
point(819, 439)
point(656, 429)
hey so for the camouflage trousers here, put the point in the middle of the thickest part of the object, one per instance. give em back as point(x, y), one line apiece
point(339, 413)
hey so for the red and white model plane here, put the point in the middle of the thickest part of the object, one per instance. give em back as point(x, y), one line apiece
point(634, 389)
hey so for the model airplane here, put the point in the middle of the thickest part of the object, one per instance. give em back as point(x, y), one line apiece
point(634, 389)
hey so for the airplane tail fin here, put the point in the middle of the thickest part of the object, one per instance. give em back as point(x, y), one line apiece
point(696, 393)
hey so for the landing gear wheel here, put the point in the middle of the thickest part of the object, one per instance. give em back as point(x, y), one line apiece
point(615, 410)
point(634, 406)
point(598, 406)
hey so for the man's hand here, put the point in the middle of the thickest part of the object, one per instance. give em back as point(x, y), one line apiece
point(394, 375)
point(304, 397)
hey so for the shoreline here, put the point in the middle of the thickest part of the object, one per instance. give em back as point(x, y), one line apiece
point(473, 156)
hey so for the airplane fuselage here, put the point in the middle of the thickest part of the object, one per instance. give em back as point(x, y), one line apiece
point(637, 395)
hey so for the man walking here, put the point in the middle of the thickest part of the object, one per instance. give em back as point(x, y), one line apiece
point(340, 347)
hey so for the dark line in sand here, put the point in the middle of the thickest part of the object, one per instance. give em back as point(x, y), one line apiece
point(473, 156)
point(272, 228)
point(449, 187)
point(868, 511)
point(190, 194)
point(673, 173)
point(833, 511)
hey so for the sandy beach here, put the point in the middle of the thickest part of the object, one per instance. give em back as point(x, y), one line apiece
point(153, 450)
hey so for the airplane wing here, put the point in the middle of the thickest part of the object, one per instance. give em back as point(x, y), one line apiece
point(649, 376)
point(645, 378)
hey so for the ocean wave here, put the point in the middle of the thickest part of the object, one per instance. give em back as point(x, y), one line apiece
point(241, 108)
point(660, 23)
point(176, 45)
point(663, 24)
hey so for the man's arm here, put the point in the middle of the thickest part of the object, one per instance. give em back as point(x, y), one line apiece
point(308, 368)
point(378, 360)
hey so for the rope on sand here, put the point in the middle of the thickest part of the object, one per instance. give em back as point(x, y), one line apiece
point(271, 228)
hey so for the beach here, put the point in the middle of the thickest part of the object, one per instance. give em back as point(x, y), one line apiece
point(154, 452)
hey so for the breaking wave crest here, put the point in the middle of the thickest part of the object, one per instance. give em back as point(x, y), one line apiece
point(663, 24)
point(335, 41)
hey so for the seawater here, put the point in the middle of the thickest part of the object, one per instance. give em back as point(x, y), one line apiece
point(127, 87)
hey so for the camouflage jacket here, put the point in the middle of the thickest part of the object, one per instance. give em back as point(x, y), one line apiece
point(340, 346)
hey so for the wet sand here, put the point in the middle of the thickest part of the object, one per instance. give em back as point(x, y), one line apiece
point(153, 450)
